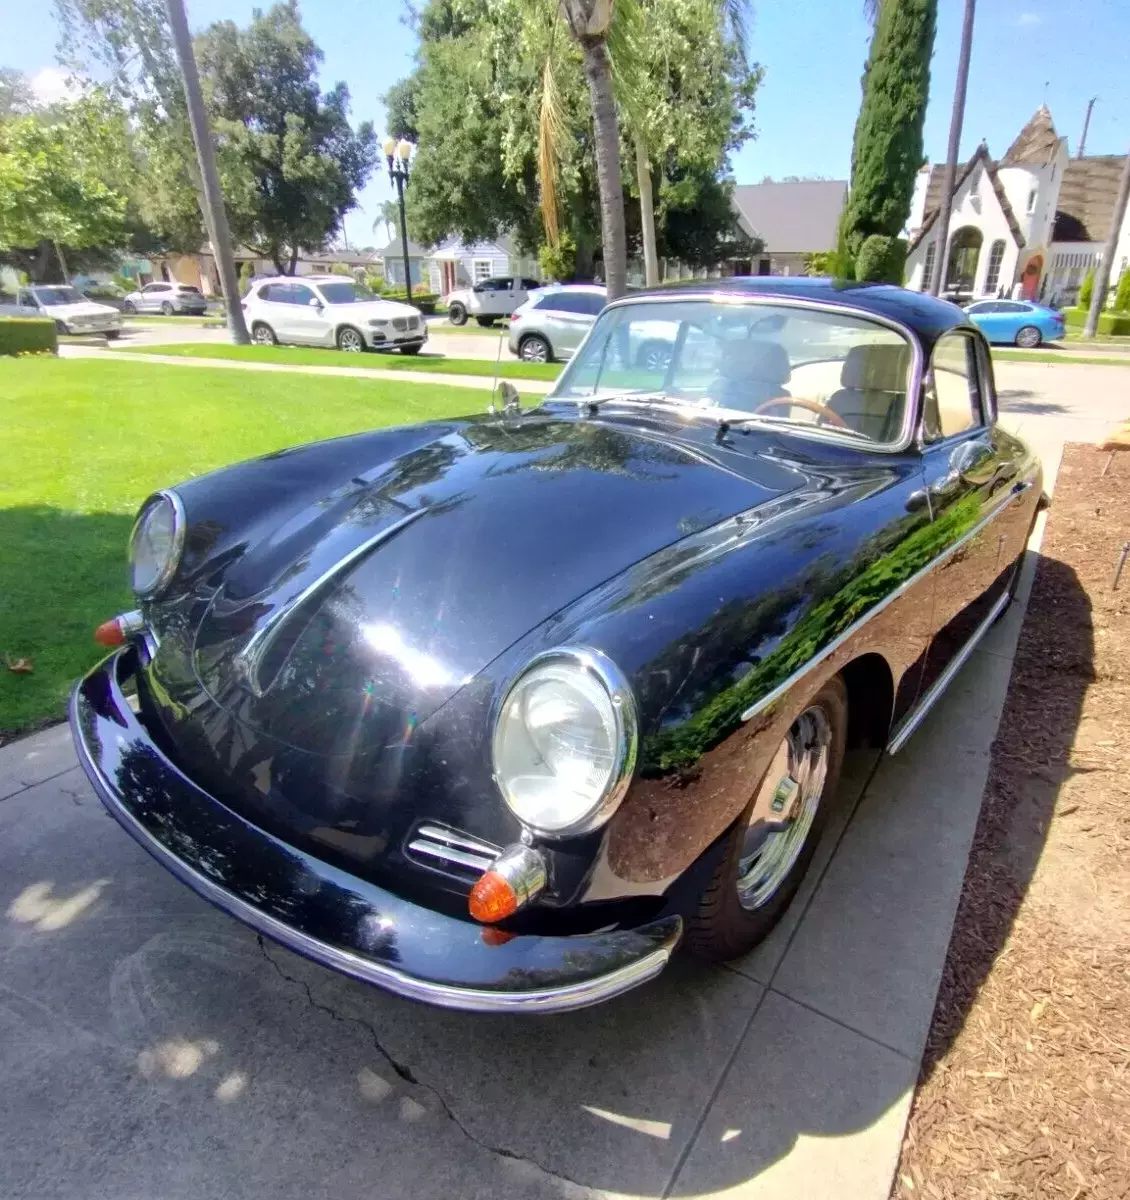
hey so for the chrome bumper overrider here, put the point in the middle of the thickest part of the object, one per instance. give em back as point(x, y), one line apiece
point(319, 911)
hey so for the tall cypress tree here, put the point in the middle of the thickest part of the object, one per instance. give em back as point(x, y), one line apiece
point(887, 150)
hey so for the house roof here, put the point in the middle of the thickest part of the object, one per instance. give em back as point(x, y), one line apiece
point(792, 217)
point(1088, 193)
point(454, 247)
point(1036, 144)
point(934, 194)
point(394, 250)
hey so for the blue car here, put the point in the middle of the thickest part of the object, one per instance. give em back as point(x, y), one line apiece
point(1017, 322)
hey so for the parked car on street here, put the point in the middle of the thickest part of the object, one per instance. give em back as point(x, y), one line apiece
point(71, 311)
point(496, 712)
point(554, 320)
point(167, 299)
point(330, 310)
point(489, 299)
point(1017, 322)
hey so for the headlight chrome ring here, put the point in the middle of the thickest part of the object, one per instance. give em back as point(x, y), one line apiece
point(167, 569)
point(617, 720)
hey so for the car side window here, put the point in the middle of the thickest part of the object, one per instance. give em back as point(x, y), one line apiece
point(952, 389)
point(276, 293)
point(299, 294)
point(26, 299)
point(529, 284)
point(1012, 307)
point(592, 303)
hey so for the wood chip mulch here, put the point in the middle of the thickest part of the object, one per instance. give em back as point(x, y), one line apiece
point(1025, 1084)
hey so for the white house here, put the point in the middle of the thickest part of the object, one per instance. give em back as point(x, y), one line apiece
point(455, 264)
point(1031, 225)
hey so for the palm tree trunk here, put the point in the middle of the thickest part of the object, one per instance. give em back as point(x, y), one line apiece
point(606, 131)
point(647, 215)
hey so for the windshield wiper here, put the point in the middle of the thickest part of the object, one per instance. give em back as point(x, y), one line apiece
point(593, 403)
point(725, 424)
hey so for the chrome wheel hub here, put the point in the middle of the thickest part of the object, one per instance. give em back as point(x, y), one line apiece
point(785, 808)
point(351, 342)
point(534, 351)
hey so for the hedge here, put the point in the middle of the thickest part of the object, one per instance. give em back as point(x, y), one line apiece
point(27, 335)
point(1116, 323)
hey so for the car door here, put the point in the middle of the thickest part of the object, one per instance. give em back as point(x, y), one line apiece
point(973, 475)
point(571, 317)
point(152, 296)
point(309, 318)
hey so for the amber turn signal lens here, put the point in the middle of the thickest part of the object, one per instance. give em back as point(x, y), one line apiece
point(110, 633)
point(492, 898)
point(496, 937)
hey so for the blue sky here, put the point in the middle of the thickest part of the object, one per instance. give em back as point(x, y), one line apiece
point(1026, 52)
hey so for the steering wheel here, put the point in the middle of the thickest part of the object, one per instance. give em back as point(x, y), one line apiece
point(821, 410)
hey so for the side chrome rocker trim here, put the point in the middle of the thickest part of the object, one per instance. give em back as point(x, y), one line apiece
point(1014, 493)
point(917, 714)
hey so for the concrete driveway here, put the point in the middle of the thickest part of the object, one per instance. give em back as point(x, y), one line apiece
point(152, 1048)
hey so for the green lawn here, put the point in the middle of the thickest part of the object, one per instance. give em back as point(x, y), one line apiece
point(312, 356)
point(86, 440)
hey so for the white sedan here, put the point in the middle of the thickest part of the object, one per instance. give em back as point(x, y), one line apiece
point(330, 310)
point(71, 311)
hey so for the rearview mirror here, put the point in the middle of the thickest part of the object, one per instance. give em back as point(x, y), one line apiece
point(314, 302)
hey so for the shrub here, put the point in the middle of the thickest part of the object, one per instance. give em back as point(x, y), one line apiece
point(559, 262)
point(246, 274)
point(1115, 323)
point(880, 259)
point(422, 298)
point(1087, 290)
point(27, 335)
point(340, 269)
point(1122, 294)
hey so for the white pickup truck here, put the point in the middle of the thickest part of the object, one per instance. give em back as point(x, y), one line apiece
point(489, 299)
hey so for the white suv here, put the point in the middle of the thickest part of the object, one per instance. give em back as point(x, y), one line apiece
point(330, 310)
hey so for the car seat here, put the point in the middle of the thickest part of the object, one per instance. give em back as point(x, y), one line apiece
point(750, 373)
point(872, 392)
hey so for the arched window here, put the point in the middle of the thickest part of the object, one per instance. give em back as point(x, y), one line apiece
point(928, 266)
point(993, 274)
point(965, 249)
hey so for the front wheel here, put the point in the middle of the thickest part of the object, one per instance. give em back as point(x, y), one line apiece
point(457, 313)
point(263, 335)
point(112, 335)
point(410, 349)
point(486, 322)
point(535, 349)
point(769, 849)
point(128, 308)
point(1028, 337)
point(166, 308)
point(349, 340)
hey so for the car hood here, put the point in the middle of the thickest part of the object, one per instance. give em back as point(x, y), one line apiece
point(84, 308)
point(378, 597)
point(363, 310)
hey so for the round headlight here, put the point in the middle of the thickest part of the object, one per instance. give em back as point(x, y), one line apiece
point(156, 543)
point(564, 744)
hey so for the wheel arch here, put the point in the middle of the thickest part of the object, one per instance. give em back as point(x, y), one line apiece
point(870, 684)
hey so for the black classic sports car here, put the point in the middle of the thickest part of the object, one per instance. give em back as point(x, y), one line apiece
point(496, 713)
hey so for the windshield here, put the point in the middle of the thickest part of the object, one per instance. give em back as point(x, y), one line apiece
point(58, 295)
point(800, 366)
point(345, 292)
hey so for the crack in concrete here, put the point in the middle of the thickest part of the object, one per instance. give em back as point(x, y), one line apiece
point(408, 1076)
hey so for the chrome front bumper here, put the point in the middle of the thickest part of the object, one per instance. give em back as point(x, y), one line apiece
point(321, 912)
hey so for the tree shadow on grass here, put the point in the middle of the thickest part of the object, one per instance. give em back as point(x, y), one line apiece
point(1030, 762)
point(61, 574)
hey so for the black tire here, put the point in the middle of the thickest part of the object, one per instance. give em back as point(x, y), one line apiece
point(128, 308)
point(262, 334)
point(60, 327)
point(1028, 337)
point(351, 340)
point(112, 335)
point(457, 313)
point(166, 308)
point(410, 350)
point(535, 349)
point(722, 928)
point(486, 322)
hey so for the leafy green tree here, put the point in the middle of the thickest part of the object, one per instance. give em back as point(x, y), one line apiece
point(53, 182)
point(290, 162)
point(887, 150)
point(1087, 289)
point(1122, 294)
point(16, 97)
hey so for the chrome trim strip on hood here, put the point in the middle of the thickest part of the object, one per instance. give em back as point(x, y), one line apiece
point(250, 659)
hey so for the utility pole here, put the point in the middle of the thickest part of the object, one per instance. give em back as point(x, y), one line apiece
point(957, 117)
point(215, 216)
point(1102, 271)
point(1086, 126)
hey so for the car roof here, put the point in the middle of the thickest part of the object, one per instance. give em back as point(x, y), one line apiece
point(925, 315)
point(598, 288)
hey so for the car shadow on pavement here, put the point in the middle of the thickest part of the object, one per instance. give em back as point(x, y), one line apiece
point(1052, 670)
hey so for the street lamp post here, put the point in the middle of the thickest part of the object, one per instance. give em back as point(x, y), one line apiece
point(397, 155)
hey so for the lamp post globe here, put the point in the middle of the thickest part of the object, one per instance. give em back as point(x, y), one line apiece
point(397, 155)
